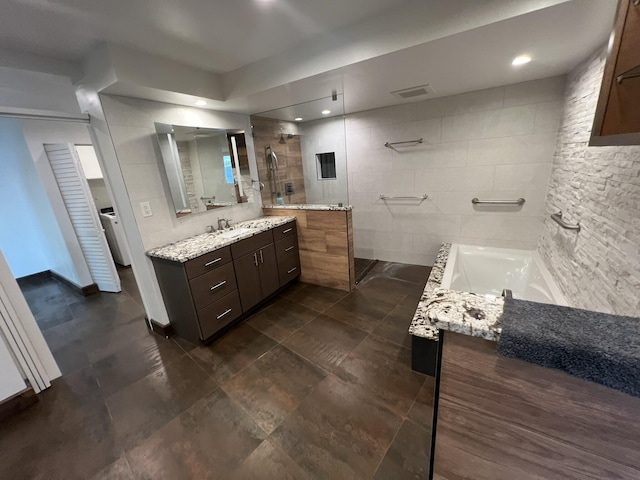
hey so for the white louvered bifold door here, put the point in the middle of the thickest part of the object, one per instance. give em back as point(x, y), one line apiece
point(83, 214)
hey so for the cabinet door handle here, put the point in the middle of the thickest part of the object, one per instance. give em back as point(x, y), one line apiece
point(290, 248)
point(287, 230)
point(218, 285)
point(212, 262)
point(261, 257)
point(223, 314)
point(255, 258)
point(292, 270)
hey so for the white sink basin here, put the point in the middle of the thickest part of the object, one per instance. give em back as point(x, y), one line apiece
point(234, 233)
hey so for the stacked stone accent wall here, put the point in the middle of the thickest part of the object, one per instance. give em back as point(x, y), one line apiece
point(597, 268)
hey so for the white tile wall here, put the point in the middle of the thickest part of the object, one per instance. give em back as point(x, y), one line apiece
point(597, 268)
point(493, 144)
point(323, 136)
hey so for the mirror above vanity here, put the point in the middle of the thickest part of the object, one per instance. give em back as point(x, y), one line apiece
point(207, 168)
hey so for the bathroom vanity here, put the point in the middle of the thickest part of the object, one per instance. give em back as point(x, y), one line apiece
point(212, 280)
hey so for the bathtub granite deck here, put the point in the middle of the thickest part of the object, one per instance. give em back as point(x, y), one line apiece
point(460, 312)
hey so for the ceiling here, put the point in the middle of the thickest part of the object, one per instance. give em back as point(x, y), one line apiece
point(251, 56)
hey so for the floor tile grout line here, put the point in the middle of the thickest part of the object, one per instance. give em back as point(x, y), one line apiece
point(244, 412)
point(247, 365)
point(292, 333)
point(180, 412)
point(415, 399)
point(308, 360)
point(151, 372)
point(388, 447)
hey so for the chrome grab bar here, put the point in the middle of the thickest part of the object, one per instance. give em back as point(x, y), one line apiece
point(557, 217)
point(385, 197)
point(519, 201)
point(391, 144)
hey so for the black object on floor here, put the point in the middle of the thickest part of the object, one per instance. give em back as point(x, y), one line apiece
point(362, 267)
point(598, 347)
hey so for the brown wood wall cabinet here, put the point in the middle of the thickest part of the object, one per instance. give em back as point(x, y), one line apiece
point(206, 294)
point(617, 118)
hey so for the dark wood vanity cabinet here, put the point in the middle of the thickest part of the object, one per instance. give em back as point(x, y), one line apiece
point(257, 274)
point(201, 295)
point(204, 295)
point(288, 258)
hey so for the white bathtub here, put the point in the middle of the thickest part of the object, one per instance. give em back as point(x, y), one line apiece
point(487, 271)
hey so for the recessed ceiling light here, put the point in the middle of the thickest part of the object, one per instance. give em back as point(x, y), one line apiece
point(521, 60)
point(298, 119)
point(201, 103)
point(326, 112)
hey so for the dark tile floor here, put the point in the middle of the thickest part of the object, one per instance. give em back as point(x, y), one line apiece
point(315, 385)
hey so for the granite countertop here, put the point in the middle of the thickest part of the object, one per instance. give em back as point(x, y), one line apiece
point(460, 312)
point(305, 206)
point(193, 247)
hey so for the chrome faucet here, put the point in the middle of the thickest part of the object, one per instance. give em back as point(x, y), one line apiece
point(226, 221)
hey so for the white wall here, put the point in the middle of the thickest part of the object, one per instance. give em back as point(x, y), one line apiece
point(40, 91)
point(23, 205)
point(66, 255)
point(597, 268)
point(34, 90)
point(323, 136)
point(99, 193)
point(491, 144)
point(31, 236)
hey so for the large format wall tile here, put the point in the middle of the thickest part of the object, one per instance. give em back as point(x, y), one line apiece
point(494, 144)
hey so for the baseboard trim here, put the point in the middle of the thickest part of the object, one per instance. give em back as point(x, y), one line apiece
point(165, 331)
point(85, 291)
point(18, 403)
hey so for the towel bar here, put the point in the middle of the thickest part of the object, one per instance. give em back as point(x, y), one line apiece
point(391, 144)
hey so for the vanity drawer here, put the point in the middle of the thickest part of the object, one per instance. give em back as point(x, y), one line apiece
point(218, 315)
point(287, 248)
point(251, 244)
point(284, 230)
point(288, 270)
point(213, 285)
point(207, 262)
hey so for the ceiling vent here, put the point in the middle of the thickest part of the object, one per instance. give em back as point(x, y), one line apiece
point(413, 92)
